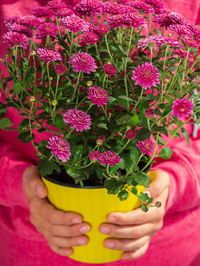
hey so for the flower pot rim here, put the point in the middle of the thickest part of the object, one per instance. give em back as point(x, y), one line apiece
point(65, 184)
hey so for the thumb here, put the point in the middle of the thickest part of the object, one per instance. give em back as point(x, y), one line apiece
point(159, 183)
point(33, 185)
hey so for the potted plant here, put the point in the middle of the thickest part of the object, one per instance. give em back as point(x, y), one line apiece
point(108, 80)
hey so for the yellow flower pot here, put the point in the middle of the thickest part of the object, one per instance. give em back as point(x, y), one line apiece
point(94, 204)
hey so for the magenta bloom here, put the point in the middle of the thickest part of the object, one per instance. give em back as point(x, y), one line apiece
point(77, 118)
point(146, 146)
point(142, 7)
point(172, 42)
point(86, 7)
point(60, 148)
point(83, 62)
point(109, 157)
point(48, 55)
point(43, 11)
point(182, 108)
point(21, 29)
point(146, 75)
point(16, 39)
point(47, 28)
point(112, 8)
point(110, 70)
point(181, 30)
point(56, 4)
point(98, 96)
point(64, 12)
point(155, 39)
point(134, 20)
point(60, 69)
point(30, 21)
point(158, 5)
point(149, 113)
point(169, 18)
point(116, 21)
point(74, 24)
point(94, 155)
point(88, 38)
point(131, 133)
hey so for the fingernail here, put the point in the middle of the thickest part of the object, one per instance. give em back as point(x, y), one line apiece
point(81, 241)
point(104, 230)
point(85, 229)
point(67, 252)
point(110, 245)
point(40, 190)
point(76, 221)
point(111, 219)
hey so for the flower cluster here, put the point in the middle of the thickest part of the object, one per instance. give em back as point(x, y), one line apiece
point(107, 81)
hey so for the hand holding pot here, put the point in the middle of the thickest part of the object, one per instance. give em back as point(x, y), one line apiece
point(136, 228)
point(63, 230)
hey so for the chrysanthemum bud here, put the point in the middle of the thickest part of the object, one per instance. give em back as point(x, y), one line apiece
point(89, 83)
point(33, 53)
point(169, 35)
point(32, 99)
point(167, 80)
point(99, 142)
point(54, 102)
point(187, 83)
point(158, 204)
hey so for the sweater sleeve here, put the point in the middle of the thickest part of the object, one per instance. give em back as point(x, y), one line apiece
point(184, 173)
point(13, 164)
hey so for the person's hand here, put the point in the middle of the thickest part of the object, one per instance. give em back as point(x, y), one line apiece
point(62, 230)
point(136, 228)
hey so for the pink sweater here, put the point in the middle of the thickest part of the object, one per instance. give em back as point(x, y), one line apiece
point(177, 243)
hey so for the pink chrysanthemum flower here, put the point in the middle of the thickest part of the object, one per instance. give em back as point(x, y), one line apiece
point(116, 21)
point(146, 146)
point(110, 70)
point(102, 137)
point(94, 155)
point(88, 38)
point(134, 20)
point(146, 75)
point(64, 12)
point(30, 21)
point(169, 18)
point(77, 118)
point(60, 69)
point(83, 62)
point(98, 96)
point(86, 7)
point(56, 4)
point(156, 39)
point(74, 24)
point(43, 11)
point(149, 113)
point(60, 148)
point(109, 157)
point(181, 30)
point(172, 42)
point(195, 79)
point(182, 53)
point(98, 29)
point(48, 55)
point(9, 21)
point(47, 28)
point(21, 29)
point(157, 5)
point(191, 42)
point(182, 108)
point(142, 7)
point(111, 8)
point(16, 39)
point(131, 133)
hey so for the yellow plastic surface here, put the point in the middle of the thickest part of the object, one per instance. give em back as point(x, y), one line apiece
point(94, 205)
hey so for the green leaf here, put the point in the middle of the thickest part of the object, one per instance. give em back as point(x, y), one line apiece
point(144, 208)
point(111, 99)
point(130, 179)
point(134, 190)
point(123, 195)
point(134, 120)
point(123, 119)
point(59, 122)
point(5, 123)
point(143, 180)
point(115, 168)
point(166, 153)
point(77, 153)
point(143, 134)
point(102, 125)
point(17, 87)
point(113, 186)
point(47, 167)
point(26, 137)
point(75, 173)
point(185, 135)
point(124, 97)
